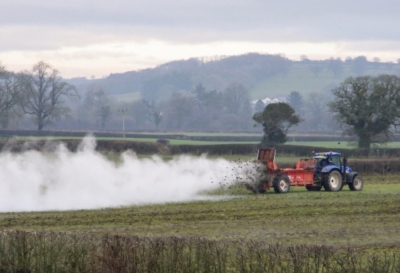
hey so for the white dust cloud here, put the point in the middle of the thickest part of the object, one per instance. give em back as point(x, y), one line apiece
point(63, 180)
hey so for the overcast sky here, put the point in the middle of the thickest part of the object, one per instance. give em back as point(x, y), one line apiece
point(97, 37)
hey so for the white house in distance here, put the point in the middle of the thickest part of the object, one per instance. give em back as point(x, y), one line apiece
point(259, 105)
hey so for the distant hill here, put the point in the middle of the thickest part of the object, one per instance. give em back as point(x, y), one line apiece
point(264, 75)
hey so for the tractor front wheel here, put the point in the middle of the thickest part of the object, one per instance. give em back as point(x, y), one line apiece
point(357, 184)
point(281, 184)
point(333, 181)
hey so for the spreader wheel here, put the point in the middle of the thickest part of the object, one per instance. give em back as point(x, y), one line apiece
point(357, 184)
point(333, 181)
point(281, 184)
point(313, 188)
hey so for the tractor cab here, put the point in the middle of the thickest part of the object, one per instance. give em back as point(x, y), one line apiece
point(327, 161)
point(331, 159)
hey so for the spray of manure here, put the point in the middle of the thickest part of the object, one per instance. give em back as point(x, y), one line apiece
point(63, 180)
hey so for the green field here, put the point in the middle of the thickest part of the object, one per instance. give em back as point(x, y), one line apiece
point(365, 219)
point(320, 144)
point(342, 144)
point(230, 230)
point(151, 140)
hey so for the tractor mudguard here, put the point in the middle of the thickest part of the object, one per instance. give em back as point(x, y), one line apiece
point(329, 168)
point(350, 177)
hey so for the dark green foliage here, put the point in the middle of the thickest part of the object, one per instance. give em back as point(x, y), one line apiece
point(163, 141)
point(368, 107)
point(223, 149)
point(276, 136)
point(276, 120)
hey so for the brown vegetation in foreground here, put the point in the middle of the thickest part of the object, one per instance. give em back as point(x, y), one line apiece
point(59, 252)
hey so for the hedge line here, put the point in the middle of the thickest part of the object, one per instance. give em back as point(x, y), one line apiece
point(138, 147)
point(387, 163)
point(73, 145)
point(222, 149)
point(27, 133)
point(308, 150)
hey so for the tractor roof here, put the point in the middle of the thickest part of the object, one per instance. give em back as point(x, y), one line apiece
point(327, 153)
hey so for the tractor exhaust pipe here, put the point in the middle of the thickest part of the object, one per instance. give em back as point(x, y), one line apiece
point(344, 168)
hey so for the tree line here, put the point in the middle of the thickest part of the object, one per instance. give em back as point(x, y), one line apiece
point(367, 107)
point(249, 69)
point(42, 98)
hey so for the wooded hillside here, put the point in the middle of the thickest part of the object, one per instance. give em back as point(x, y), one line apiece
point(264, 75)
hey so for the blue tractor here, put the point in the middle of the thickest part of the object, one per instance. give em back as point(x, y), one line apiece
point(332, 173)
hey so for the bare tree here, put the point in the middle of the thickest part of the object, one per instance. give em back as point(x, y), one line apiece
point(236, 99)
point(44, 93)
point(316, 69)
point(179, 109)
point(153, 113)
point(317, 116)
point(99, 104)
point(9, 95)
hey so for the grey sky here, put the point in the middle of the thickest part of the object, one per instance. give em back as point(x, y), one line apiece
point(66, 29)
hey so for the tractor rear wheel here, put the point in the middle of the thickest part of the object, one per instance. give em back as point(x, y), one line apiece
point(313, 188)
point(333, 181)
point(357, 184)
point(281, 184)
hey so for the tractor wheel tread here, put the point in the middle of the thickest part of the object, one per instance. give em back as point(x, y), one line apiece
point(358, 183)
point(333, 181)
point(281, 184)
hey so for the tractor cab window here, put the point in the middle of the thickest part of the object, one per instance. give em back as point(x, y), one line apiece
point(336, 160)
point(322, 161)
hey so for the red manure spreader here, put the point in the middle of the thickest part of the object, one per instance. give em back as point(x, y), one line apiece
point(326, 170)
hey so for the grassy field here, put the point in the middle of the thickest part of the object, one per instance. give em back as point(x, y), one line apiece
point(367, 219)
point(230, 230)
point(151, 140)
point(322, 144)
